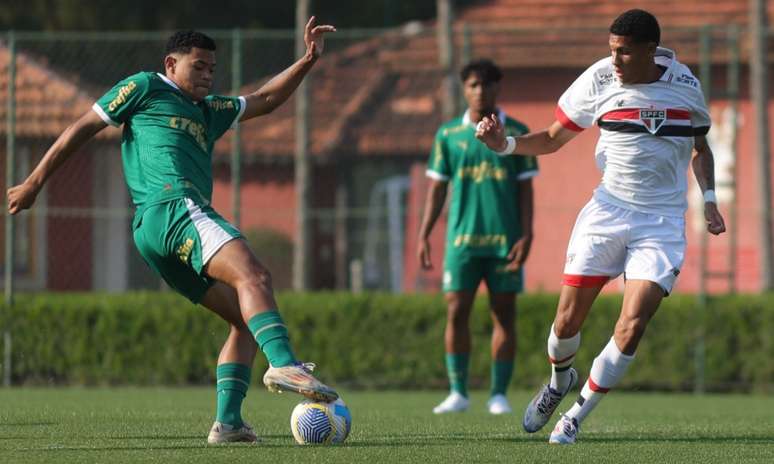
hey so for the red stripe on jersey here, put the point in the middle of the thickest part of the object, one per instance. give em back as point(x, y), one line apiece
point(634, 114)
point(618, 115)
point(582, 281)
point(678, 114)
point(596, 388)
point(565, 121)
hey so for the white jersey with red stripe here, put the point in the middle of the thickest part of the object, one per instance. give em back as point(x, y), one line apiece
point(646, 132)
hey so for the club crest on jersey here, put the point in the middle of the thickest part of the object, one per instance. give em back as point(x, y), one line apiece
point(653, 119)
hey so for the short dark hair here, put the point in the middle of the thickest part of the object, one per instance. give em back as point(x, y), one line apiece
point(638, 24)
point(485, 69)
point(184, 41)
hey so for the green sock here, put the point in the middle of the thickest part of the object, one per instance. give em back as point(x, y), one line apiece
point(457, 368)
point(270, 332)
point(233, 382)
point(501, 376)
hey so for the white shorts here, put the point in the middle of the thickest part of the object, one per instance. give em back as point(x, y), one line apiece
point(608, 240)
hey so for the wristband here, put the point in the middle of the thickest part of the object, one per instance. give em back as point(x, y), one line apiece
point(510, 146)
point(710, 197)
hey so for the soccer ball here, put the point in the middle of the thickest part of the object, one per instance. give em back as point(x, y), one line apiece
point(316, 422)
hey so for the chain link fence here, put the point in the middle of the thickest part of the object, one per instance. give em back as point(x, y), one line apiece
point(376, 101)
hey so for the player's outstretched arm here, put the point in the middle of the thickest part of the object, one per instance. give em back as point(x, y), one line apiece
point(703, 164)
point(436, 195)
point(275, 92)
point(22, 196)
point(491, 131)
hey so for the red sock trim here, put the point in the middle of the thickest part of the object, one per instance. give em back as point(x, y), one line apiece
point(583, 281)
point(596, 388)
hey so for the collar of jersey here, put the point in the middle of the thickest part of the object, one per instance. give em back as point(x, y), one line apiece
point(174, 86)
point(466, 117)
point(667, 58)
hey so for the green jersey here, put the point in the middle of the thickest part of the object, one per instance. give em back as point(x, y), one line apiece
point(167, 137)
point(484, 217)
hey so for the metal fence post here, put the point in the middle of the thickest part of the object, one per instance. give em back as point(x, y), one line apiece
point(10, 170)
point(705, 76)
point(301, 250)
point(236, 147)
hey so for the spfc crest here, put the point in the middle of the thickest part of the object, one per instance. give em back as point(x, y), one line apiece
point(653, 119)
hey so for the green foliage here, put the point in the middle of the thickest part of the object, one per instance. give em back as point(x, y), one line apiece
point(372, 340)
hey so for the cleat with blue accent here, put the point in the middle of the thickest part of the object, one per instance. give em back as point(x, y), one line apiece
point(543, 405)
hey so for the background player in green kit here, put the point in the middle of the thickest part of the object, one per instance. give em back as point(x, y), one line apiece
point(488, 236)
point(170, 124)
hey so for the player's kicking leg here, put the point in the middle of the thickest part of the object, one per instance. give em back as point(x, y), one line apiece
point(641, 300)
point(235, 265)
point(563, 343)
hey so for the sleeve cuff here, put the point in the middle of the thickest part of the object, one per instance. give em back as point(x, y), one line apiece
point(527, 175)
point(242, 108)
point(436, 175)
point(565, 121)
point(102, 115)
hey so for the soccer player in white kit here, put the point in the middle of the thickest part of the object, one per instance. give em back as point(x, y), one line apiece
point(653, 121)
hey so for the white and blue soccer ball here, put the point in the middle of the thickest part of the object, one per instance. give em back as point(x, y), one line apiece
point(321, 423)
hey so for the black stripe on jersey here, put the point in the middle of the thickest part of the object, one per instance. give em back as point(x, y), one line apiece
point(663, 131)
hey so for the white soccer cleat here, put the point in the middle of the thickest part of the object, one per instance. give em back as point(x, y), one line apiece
point(498, 404)
point(225, 433)
point(298, 378)
point(565, 432)
point(543, 405)
point(455, 402)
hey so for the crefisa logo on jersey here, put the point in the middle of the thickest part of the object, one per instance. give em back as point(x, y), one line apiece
point(653, 119)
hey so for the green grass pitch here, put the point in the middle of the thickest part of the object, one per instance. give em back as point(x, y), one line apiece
point(166, 425)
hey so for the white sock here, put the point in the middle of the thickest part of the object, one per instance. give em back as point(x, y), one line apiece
point(561, 354)
point(608, 368)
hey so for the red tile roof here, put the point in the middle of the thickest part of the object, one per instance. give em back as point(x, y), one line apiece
point(46, 102)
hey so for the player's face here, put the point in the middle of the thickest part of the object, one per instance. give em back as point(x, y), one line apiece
point(633, 61)
point(481, 97)
point(193, 72)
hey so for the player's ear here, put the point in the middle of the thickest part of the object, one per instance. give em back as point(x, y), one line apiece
point(169, 63)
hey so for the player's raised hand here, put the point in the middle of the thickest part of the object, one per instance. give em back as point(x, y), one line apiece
point(715, 223)
point(490, 131)
point(423, 253)
point(314, 37)
point(21, 197)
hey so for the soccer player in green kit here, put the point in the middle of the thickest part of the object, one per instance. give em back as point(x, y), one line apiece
point(488, 237)
point(170, 124)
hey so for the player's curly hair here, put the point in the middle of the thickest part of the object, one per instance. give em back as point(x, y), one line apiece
point(485, 69)
point(183, 41)
point(638, 24)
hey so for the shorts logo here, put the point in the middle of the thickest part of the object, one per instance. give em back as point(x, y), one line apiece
point(676, 272)
point(653, 119)
point(184, 250)
point(570, 257)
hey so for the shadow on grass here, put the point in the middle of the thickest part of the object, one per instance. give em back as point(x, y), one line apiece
point(401, 441)
point(738, 439)
point(27, 424)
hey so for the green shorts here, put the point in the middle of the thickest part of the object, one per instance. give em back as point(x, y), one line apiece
point(466, 272)
point(177, 239)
